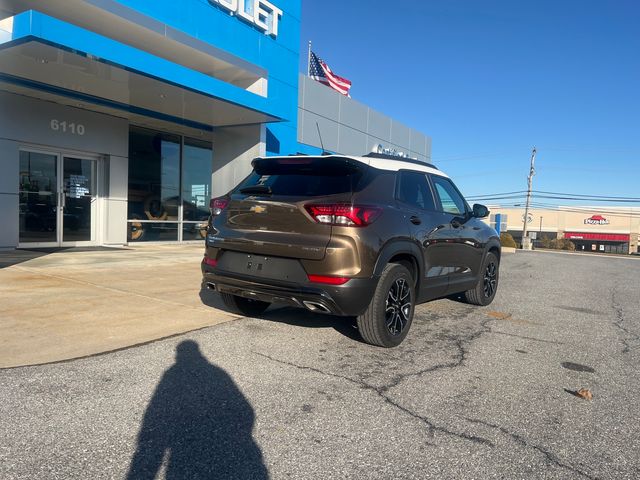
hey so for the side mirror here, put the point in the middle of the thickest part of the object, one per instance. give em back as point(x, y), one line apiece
point(480, 211)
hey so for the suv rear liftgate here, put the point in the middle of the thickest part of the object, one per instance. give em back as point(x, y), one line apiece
point(369, 237)
point(277, 225)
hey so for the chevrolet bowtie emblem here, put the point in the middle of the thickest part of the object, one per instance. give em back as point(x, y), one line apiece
point(258, 209)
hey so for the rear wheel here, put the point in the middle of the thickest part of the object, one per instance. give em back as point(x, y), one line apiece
point(390, 313)
point(485, 290)
point(244, 306)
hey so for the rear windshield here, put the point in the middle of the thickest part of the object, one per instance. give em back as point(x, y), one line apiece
point(303, 177)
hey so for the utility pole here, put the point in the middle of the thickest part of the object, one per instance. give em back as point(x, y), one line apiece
point(526, 244)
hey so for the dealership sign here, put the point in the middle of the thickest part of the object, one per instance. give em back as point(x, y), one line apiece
point(394, 152)
point(596, 220)
point(261, 13)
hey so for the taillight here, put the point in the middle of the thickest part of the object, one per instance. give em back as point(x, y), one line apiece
point(328, 280)
point(344, 214)
point(217, 205)
point(209, 261)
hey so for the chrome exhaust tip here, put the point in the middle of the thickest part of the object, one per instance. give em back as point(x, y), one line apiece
point(315, 307)
point(211, 286)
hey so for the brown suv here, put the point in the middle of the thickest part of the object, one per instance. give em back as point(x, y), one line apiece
point(369, 237)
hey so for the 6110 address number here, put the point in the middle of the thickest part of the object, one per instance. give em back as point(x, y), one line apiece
point(67, 127)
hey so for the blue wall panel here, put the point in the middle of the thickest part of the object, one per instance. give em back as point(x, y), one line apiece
point(279, 56)
point(210, 23)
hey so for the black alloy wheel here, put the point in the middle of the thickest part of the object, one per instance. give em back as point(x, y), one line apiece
point(490, 279)
point(487, 285)
point(398, 306)
point(389, 315)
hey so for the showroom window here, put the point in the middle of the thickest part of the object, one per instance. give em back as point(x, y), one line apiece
point(169, 186)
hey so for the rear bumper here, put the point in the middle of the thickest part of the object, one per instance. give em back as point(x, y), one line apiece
point(350, 299)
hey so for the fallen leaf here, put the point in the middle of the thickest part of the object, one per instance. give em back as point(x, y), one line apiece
point(499, 315)
point(584, 393)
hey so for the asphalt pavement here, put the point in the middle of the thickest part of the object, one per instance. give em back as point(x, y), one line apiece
point(472, 393)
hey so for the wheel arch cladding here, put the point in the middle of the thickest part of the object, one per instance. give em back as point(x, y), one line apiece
point(494, 247)
point(404, 253)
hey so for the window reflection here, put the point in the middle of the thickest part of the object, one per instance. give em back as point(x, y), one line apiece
point(153, 231)
point(157, 195)
point(154, 175)
point(196, 179)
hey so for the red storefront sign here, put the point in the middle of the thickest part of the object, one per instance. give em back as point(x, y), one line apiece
point(607, 237)
point(596, 220)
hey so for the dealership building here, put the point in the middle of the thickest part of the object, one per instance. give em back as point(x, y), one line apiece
point(601, 229)
point(119, 120)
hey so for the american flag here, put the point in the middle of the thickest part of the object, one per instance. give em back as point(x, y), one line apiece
point(320, 71)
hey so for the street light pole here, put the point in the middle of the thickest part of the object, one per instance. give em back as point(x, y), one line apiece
point(532, 172)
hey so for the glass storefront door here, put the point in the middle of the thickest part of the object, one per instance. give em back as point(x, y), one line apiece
point(78, 199)
point(58, 199)
point(38, 198)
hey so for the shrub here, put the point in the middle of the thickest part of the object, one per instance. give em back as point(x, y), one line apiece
point(545, 241)
point(506, 240)
point(562, 244)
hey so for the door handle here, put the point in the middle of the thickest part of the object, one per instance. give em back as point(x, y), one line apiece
point(415, 220)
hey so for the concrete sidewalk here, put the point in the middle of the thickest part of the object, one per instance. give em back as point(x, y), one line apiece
point(69, 304)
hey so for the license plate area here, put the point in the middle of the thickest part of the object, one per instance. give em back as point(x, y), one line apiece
point(263, 266)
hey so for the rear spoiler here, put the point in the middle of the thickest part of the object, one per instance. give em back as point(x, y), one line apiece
point(307, 165)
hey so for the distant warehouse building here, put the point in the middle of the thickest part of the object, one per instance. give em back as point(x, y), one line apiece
point(119, 120)
point(593, 229)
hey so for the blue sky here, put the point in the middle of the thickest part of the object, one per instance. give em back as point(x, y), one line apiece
point(488, 80)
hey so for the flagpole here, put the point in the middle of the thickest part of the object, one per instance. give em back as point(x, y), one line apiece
point(309, 60)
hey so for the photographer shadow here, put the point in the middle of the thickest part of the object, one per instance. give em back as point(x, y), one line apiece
point(198, 425)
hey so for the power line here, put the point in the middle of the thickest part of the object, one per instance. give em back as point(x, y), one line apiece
point(559, 195)
point(553, 197)
point(545, 206)
point(494, 194)
point(582, 208)
point(591, 196)
point(605, 200)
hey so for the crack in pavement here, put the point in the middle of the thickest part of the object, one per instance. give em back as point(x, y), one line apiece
point(382, 391)
point(524, 337)
point(459, 342)
point(619, 323)
point(520, 440)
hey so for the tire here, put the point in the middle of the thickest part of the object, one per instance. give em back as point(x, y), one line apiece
point(485, 290)
point(135, 230)
point(387, 325)
point(244, 306)
point(154, 209)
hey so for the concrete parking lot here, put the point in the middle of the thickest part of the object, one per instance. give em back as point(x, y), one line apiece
point(72, 303)
point(472, 393)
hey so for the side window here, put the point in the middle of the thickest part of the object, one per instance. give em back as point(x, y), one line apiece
point(450, 199)
point(414, 190)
